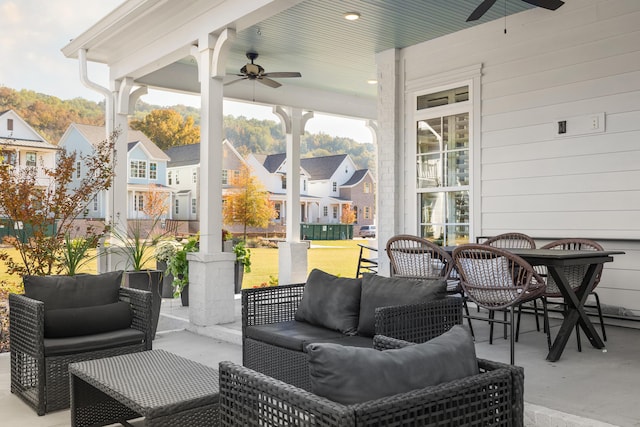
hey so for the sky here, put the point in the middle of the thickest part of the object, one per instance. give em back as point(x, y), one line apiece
point(33, 32)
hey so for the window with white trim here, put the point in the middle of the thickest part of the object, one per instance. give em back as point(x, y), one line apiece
point(325, 211)
point(78, 169)
point(138, 169)
point(31, 159)
point(169, 178)
point(194, 176)
point(153, 170)
point(225, 177)
point(194, 206)
point(442, 164)
point(335, 212)
point(334, 186)
point(138, 202)
point(177, 206)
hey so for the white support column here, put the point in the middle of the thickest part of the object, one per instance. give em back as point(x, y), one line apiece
point(292, 254)
point(390, 158)
point(211, 287)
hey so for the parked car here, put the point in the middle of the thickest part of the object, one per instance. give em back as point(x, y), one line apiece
point(367, 231)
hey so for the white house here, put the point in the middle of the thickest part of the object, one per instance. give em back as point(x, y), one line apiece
point(146, 169)
point(183, 171)
point(22, 147)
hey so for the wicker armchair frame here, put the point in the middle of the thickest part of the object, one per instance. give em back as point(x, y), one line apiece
point(492, 398)
point(415, 323)
point(43, 382)
point(496, 279)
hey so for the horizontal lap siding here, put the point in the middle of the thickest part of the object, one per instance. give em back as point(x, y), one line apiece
point(580, 60)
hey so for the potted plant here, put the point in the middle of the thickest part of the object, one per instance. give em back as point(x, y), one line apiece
point(179, 267)
point(243, 264)
point(164, 251)
point(76, 253)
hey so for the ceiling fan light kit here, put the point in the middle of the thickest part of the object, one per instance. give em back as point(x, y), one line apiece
point(254, 71)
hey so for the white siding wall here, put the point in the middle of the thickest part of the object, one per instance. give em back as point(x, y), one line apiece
point(570, 64)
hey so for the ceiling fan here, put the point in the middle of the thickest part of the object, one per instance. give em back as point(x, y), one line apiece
point(256, 72)
point(486, 5)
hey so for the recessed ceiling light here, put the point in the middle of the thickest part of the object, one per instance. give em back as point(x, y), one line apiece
point(372, 81)
point(352, 16)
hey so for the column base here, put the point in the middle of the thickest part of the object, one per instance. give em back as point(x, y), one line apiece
point(292, 262)
point(211, 300)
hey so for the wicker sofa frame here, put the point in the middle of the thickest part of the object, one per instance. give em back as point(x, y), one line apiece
point(492, 398)
point(413, 323)
point(43, 382)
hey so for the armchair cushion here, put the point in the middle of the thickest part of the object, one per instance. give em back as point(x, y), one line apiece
point(293, 335)
point(83, 290)
point(330, 301)
point(73, 345)
point(73, 322)
point(379, 291)
point(351, 375)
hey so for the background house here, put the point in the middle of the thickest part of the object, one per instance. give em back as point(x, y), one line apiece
point(22, 147)
point(183, 171)
point(146, 169)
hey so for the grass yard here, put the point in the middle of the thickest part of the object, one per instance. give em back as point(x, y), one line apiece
point(339, 257)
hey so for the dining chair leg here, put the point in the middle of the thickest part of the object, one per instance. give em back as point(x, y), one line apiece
point(518, 323)
point(546, 326)
point(535, 312)
point(599, 307)
point(504, 328)
point(512, 347)
point(492, 315)
point(466, 310)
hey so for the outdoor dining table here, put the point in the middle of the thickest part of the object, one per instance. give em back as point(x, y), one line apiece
point(555, 260)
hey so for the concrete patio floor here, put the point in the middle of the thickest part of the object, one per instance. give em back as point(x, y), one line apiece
point(588, 388)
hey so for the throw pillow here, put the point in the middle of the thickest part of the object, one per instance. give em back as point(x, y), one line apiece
point(330, 301)
point(379, 291)
point(73, 322)
point(74, 291)
point(351, 375)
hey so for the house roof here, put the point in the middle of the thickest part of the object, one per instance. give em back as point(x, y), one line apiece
point(356, 178)
point(97, 134)
point(29, 143)
point(272, 162)
point(183, 155)
point(320, 168)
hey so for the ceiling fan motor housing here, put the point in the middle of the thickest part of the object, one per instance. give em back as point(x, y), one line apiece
point(252, 70)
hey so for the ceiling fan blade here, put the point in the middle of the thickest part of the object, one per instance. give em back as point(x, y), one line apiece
point(283, 74)
point(267, 81)
point(235, 81)
point(481, 10)
point(546, 4)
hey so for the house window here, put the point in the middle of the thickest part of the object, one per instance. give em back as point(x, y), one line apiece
point(284, 182)
point(78, 171)
point(225, 177)
point(153, 170)
point(304, 185)
point(9, 124)
point(8, 157)
point(335, 212)
point(278, 208)
point(442, 165)
point(355, 214)
point(325, 211)
point(236, 174)
point(177, 177)
point(194, 176)
point(138, 169)
point(95, 203)
point(138, 202)
point(177, 207)
point(367, 212)
point(30, 159)
point(194, 206)
point(334, 186)
point(169, 178)
point(367, 187)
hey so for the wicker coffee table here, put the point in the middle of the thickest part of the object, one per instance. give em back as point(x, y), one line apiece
point(165, 389)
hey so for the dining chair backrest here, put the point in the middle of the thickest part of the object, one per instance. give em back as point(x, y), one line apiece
point(495, 278)
point(417, 257)
point(511, 240)
point(574, 273)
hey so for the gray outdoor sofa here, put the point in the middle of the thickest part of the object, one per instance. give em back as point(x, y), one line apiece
point(279, 322)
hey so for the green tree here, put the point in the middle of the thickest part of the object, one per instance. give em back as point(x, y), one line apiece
point(167, 128)
point(248, 204)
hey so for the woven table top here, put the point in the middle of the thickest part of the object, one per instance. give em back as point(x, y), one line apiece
point(152, 383)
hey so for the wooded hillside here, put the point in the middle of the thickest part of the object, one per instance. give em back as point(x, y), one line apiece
point(50, 116)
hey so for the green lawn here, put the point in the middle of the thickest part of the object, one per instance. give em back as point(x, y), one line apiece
point(339, 257)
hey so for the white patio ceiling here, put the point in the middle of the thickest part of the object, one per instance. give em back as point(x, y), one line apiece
point(151, 40)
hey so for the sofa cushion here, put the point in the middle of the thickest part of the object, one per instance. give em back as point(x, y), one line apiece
point(331, 302)
point(351, 375)
point(293, 335)
point(348, 340)
point(74, 291)
point(72, 345)
point(73, 322)
point(379, 291)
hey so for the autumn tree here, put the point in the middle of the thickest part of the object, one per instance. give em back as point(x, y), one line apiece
point(167, 128)
point(41, 215)
point(248, 204)
point(348, 215)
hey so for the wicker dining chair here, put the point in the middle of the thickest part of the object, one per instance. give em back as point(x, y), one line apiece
point(498, 280)
point(415, 257)
point(511, 240)
point(575, 274)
